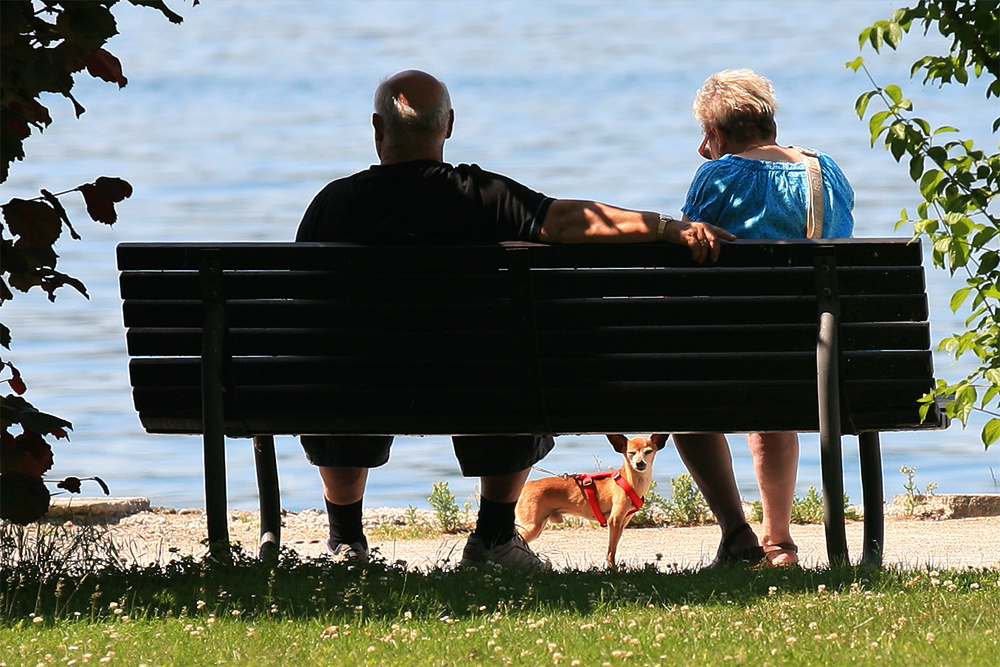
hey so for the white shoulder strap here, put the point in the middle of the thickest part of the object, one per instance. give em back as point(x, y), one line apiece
point(814, 177)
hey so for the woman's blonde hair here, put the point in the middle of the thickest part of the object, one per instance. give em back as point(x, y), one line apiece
point(739, 102)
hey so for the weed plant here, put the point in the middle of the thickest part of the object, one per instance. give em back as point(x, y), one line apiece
point(317, 611)
point(685, 506)
point(451, 518)
point(414, 526)
point(913, 497)
point(59, 548)
point(808, 509)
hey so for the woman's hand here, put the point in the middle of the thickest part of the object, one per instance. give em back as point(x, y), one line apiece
point(704, 240)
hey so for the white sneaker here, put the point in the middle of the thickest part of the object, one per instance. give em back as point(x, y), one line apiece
point(514, 553)
point(355, 552)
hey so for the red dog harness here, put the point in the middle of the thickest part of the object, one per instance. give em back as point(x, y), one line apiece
point(586, 482)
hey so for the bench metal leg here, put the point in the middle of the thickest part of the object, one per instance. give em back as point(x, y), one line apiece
point(831, 451)
point(213, 414)
point(270, 497)
point(873, 495)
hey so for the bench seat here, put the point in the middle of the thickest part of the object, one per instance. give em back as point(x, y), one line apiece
point(264, 339)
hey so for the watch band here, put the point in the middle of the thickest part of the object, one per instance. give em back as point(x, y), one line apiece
point(662, 226)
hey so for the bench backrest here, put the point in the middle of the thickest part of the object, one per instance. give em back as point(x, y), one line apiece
point(525, 338)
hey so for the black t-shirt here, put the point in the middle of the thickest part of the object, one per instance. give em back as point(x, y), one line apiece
point(424, 202)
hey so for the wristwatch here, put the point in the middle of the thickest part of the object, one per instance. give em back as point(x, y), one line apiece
point(662, 227)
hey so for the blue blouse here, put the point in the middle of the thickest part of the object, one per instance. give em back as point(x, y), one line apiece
point(760, 199)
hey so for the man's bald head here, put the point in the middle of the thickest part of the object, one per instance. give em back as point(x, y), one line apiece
point(414, 103)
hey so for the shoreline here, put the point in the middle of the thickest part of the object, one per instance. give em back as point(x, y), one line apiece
point(934, 537)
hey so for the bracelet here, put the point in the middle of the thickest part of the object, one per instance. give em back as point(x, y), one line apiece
point(662, 227)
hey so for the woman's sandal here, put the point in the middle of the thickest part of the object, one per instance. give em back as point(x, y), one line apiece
point(750, 556)
point(773, 551)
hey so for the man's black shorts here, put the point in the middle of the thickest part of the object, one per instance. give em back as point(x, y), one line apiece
point(478, 455)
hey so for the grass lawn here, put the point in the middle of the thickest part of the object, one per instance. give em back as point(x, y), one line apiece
point(318, 612)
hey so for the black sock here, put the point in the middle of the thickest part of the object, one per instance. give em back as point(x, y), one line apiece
point(495, 524)
point(345, 523)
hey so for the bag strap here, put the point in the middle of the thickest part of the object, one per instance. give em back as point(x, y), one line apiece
point(814, 178)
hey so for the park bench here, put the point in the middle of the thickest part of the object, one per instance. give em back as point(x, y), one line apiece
point(264, 339)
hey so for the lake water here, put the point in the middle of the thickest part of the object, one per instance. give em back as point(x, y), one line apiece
point(234, 119)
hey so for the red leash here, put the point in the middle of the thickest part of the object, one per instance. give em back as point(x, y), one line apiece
point(586, 482)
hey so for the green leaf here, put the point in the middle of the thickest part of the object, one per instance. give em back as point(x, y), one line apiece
point(983, 237)
point(861, 104)
point(876, 36)
point(991, 292)
point(855, 64)
point(893, 35)
point(991, 431)
point(945, 128)
point(958, 298)
point(894, 92)
point(988, 262)
point(929, 183)
point(875, 124)
point(865, 36)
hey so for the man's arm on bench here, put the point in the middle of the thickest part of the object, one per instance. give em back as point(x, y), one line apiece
point(578, 221)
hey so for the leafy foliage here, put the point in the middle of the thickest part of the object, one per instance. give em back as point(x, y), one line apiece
point(43, 45)
point(957, 181)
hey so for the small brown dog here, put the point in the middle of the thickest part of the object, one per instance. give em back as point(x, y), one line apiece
point(616, 495)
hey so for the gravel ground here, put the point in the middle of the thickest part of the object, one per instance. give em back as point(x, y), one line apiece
point(156, 535)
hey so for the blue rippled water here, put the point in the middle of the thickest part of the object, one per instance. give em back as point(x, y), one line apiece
point(234, 119)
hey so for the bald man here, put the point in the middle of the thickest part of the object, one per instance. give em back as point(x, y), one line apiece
point(413, 197)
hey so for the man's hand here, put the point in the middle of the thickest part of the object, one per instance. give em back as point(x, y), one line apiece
point(703, 239)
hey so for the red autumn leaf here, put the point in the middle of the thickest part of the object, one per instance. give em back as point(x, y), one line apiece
point(15, 381)
point(23, 498)
point(71, 484)
point(115, 189)
point(37, 457)
point(101, 196)
point(54, 280)
point(17, 384)
point(69, 57)
point(36, 222)
point(104, 487)
point(78, 108)
point(57, 205)
point(106, 66)
point(32, 111)
point(18, 126)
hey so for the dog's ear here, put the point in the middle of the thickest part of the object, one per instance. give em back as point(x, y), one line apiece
point(618, 441)
point(659, 440)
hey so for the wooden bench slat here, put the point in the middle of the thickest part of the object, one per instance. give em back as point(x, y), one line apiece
point(393, 287)
point(424, 373)
point(561, 314)
point(555, 343)
point(309, 256)
point(634, 407)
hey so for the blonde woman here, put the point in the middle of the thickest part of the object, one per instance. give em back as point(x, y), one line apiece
point(755, 188)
